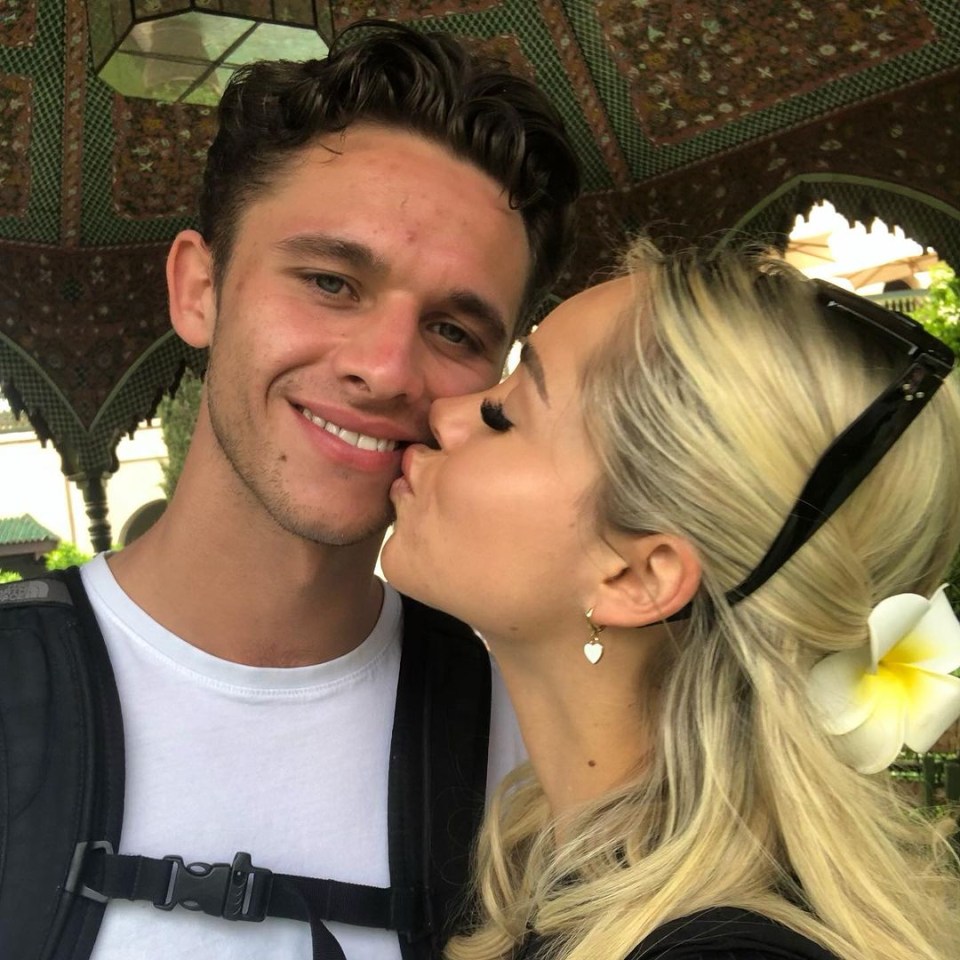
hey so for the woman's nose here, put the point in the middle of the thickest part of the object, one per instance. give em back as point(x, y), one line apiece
point(452, 419)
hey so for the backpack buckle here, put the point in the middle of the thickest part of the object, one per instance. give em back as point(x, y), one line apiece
point(73, 884)
point(234, 891)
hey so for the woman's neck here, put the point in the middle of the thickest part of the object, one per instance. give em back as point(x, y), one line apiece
point(586, 726)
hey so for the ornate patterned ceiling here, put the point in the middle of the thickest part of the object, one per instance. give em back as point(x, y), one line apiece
point(692, 118)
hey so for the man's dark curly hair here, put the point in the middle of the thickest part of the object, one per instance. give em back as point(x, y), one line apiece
point(425, 83)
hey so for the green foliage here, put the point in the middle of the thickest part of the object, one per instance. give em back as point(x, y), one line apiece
point(65, 555)
point(940, 311)
point(8, 576)
point(178, 417)
point(953, 584)
point(940, 314)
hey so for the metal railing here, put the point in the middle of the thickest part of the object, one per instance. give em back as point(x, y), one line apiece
point(936, 776)
point(904, 301)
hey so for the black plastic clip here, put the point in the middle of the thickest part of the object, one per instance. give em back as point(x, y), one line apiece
point(237, 891)
point(73, 884)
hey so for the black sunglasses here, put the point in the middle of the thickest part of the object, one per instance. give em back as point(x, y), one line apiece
point(856, 451)
point(861, 446)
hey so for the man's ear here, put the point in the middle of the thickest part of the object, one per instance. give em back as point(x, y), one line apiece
point(193, 301)
point(657, 575)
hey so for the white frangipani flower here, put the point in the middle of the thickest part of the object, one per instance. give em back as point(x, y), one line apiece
point(897, 690)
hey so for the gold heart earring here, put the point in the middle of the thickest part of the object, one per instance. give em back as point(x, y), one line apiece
point(593, 648)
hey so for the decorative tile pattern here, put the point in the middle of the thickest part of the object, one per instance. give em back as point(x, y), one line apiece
point(16, 95)
point(18, 22)
point(83, 316)
point(908, 139)
point(693, 65)
point(593, 109)
point(159, 156)
point(74, 90)
point(346, 11)
point(506, 48)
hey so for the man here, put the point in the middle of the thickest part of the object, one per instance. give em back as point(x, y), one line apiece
point(374, 229)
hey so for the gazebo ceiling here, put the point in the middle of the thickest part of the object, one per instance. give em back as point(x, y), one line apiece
point(691, 117)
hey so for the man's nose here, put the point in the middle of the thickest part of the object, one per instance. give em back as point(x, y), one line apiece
point(384, 357)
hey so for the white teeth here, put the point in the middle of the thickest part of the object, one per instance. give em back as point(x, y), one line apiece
point(360, 440)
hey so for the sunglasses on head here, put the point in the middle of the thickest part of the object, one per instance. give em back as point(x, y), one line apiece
point(861, 446)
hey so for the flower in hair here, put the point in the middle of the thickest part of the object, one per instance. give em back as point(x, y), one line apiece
point(897, 690)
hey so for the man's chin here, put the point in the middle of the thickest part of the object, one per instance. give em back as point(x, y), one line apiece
point(339, 533)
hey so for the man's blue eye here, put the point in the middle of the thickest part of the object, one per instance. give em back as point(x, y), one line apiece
point(329, 283)
point(451, 332)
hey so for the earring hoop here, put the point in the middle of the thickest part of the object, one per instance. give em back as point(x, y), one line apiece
point(593, 648)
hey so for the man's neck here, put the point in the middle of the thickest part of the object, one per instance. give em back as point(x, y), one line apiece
point(251, 592)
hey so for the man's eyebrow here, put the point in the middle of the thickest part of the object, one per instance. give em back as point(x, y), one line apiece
point(531, 360)
point(323, 246)
point(483, 311)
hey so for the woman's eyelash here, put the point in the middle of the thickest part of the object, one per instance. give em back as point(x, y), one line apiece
point(491, 413)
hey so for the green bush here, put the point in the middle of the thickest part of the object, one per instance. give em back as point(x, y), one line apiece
point(8, 576)
point(940, 310)
point(65, 555)
point(940, 314)
point(178, 417)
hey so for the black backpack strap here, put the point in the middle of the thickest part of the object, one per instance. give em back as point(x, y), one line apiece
point(61, 765)
point(438, 771)
point(239, 891)
point(437, 783)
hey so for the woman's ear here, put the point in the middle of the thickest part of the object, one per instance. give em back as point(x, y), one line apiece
point(657, 575)
point(190, 286)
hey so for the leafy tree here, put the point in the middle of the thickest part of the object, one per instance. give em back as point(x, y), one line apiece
point(940, 314)
point(65, 555)
point(940, 310)
point(178, 417)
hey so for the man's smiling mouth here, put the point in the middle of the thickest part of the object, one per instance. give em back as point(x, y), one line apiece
point(359, 440)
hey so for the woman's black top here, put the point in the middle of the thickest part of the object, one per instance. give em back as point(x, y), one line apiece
point(721, 933)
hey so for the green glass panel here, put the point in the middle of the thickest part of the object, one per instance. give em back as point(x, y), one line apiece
point(109, 21)
point(271, 41)
point(299, 12)
point(202, 37)
point(209, 92)
point(250, 9)
point(138, 76)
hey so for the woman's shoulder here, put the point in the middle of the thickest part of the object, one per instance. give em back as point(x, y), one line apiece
point(727, 933)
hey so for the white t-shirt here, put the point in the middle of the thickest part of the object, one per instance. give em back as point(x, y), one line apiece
point(287, 764)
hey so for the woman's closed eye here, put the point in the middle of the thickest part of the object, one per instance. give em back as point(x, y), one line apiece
point(491, 413)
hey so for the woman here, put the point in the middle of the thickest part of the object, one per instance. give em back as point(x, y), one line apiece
point(706, 681)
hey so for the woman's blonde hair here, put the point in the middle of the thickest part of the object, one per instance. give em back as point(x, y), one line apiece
point(721, 389)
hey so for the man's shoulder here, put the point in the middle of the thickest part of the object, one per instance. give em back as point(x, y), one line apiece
point(422, 621)
point(39, 600)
